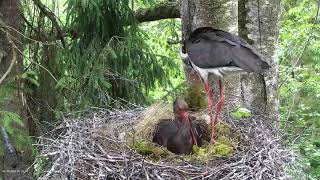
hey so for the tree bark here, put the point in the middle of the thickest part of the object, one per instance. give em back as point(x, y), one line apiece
point(46, 92)
point(167, 10)
point(220, 14)
point(11, 96)
point(258, 24)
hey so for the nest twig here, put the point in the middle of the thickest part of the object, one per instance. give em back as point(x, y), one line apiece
point(93, 147)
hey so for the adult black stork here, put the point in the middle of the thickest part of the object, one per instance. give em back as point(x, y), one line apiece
point(213, 51)
point(180, 134)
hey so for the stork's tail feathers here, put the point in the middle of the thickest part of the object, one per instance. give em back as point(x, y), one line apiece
point(265, 65)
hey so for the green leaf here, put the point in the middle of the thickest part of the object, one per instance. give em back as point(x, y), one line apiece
point(30, 76)
point(8, 118)
point(241, 113)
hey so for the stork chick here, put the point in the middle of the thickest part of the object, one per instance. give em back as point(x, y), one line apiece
point(179, 134)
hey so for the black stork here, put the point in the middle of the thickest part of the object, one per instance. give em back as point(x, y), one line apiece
point(179, 134)
point(213, 51)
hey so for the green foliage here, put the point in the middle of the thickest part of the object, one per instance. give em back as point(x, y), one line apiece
point(5, 94)
point(163, 39)
point(31, 77)
point(12, 124)
point(239, 113)
point(107, 55)
point(299, 74)
point(11, 121)
point(40, 166)
point(108, 59)
point(8, 118)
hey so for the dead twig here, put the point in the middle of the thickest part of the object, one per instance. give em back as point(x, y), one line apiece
point(14, 54)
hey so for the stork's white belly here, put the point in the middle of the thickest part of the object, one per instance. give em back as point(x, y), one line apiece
point(218, 72)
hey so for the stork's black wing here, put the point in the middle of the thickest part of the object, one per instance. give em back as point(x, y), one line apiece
point(209, 48)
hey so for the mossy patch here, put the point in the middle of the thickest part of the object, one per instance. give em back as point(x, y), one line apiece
point(140, 140)
point(150, 150)
point(195, 97)
point(223, 129)
point(226, 142)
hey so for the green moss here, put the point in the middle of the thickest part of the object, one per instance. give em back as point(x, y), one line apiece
point(226, 142)
point(221, 150)
point(223, 129)
point(149, 149)
point(195, 97)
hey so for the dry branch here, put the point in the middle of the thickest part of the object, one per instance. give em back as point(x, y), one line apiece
point(47, 12)
point(14, 54)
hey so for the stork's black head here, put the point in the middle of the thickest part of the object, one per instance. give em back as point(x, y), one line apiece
point(199, 31)
point(194, 36)
point(202, 30)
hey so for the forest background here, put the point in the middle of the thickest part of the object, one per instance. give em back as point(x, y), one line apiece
point(75, 56)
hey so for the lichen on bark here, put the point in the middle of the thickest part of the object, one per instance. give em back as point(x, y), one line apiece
point(258, 24)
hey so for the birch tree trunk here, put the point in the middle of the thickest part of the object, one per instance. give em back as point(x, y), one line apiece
point(258, 24)
point(220, 14)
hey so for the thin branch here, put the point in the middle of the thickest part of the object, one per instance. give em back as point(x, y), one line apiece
point(47, 12)
point(14, 54)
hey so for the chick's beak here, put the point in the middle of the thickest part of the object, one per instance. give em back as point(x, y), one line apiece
point(183, 115)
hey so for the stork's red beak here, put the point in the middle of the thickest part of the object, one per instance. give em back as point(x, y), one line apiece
point(184, 115)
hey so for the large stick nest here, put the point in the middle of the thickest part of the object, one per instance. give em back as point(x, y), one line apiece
point(93, 147)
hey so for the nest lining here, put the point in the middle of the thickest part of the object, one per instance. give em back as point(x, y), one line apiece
point(93, 147)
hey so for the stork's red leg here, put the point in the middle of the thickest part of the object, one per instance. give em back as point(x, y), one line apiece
point(209, 95)
point(220, 102)
point(211, 110)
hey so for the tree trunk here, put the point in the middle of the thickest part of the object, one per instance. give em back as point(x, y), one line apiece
point(258, 24)
point(11, 96)
point(220, 14)
point(46, 93)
